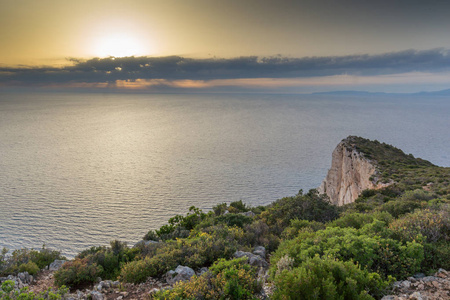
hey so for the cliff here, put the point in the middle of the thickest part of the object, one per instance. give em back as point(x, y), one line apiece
point(351, 172)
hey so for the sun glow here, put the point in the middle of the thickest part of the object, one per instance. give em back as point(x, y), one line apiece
point(118, 45)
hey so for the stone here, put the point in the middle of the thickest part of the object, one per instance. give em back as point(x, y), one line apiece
point(253, 259)
point(143, 243)
point(261, 251)
point(97, 296)
point(248, 214)
point(181, 273)
point(153, 291)
point(56, 264)
point(419, 275)
point(202, 270)
point(416, 296)
point(406, 284)
point(25, 278)
point(389, 297)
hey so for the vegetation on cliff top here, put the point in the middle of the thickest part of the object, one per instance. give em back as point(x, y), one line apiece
point(317, 250)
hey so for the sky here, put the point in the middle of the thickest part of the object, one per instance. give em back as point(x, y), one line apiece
point(226, 45)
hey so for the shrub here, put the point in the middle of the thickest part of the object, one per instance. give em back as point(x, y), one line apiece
point(311, 207)
point(238, 206)
point(297, 226)
point(77, 272)
point(358, 220)
point(179, 226)
point(328, 278)
point(232, 219)
point(258, 234)
point(378, 254)
point(24, 257)
point(433, 224)
point(233, 279)
point(29, 267)
point(203, 249)
point(7, 292)
point(400, 207)
point(436, 256)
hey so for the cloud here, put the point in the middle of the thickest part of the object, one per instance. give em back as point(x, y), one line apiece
point(177, 71)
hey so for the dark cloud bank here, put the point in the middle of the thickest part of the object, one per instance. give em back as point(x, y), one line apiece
point(171, 68)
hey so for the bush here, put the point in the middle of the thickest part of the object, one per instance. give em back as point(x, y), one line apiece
point(232, 219)
point(358, 220)
point(328, 278)
point(201, 250)
point(7, 292)
point(311, 207)
point(22, 258)
point(238, 206)
point(436, 256)
point(29, 267)
point(77, 272)
point(400, 207)
point(378, 254)
point(297, 226)
point(432, 224)
point(233, 279)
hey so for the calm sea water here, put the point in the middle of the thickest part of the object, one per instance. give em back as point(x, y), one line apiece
point(78, 170)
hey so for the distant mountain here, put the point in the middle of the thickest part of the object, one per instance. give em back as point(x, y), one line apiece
point(365, 93)
point(350, 93)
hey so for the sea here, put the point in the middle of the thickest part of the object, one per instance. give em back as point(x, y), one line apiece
point(81, 169)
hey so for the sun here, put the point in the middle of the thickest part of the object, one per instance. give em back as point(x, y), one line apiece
point(118, 45)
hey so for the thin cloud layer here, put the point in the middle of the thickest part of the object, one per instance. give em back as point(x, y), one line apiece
point(175, 68)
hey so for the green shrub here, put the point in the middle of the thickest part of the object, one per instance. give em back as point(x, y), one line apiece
point(232, 219)
point(400, 207)
point(7, 292)
point(232, 279)
point(436, 256)
point(238, 206)
point(77, 272)
point(297, 226)
point(432, 224)
point(29, 267)
point(311, 207)
point(358, 220)
point(258, 233)
point(23, 257)
point(376, 253)
point(201, 250)
point(328, 278)
point(219, 209)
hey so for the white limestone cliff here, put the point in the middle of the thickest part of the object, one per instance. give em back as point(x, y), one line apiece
point(349, 175)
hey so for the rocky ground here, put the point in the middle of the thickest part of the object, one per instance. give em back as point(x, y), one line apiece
point(418, 287)
point(421, 287)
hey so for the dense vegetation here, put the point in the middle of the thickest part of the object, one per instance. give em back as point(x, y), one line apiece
point(317, 250)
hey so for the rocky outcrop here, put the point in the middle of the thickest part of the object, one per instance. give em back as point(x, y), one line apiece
point(435, 287)
point(181, 273)
point(349, 175)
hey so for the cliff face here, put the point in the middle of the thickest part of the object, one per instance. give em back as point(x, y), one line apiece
point(350, 174)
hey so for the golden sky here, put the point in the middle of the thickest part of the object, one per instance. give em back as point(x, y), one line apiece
point(36, 33)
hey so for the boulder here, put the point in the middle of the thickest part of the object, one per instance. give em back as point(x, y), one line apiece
point(248, 214)
point(143, 243)
point(181, 273)
point(261, 251)
point(97, 296)
point(252, 259)
point(56, 264)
